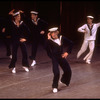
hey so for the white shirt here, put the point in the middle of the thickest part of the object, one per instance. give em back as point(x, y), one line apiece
point(58, 41)
point(87, 35)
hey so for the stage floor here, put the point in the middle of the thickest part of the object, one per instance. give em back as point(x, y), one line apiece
point(85, 81)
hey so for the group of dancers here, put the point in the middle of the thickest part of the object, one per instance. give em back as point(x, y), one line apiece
point(36, 30)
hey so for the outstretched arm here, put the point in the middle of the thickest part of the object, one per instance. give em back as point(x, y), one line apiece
point(98, 25)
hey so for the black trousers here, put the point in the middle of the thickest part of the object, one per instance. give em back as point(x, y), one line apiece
point(34, 49)
point(14, 54)
point(66, 77)
point(7, 43)
point(35, 43)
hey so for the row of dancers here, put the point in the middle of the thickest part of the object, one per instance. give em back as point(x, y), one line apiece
point(35, 29)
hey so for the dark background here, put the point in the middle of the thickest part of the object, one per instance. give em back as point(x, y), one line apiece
point(67, 15)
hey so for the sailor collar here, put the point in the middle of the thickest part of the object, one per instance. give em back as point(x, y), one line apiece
point(90, 28)
point(56, 40)
point(19, 23)
point(36, 21)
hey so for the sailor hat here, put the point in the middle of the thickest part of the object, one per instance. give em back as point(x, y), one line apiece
point(34, 12)
point(53, 29)
point(90, 17)
point(16, 13)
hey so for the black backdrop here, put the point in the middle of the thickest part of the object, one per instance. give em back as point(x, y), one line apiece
point(69, 14)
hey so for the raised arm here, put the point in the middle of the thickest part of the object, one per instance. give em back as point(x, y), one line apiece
point(11, 12)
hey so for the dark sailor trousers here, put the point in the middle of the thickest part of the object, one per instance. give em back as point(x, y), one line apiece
point(66, 77)
point(34, 49)
point(14, 54)
point(35, 43)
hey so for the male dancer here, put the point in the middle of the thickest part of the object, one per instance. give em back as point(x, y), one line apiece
point(89, 30)
point(38, 29)
point(19, 34)
point(6, 39)
point(54, 47)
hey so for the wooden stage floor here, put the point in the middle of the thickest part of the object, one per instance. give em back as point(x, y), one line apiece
point(37, 84)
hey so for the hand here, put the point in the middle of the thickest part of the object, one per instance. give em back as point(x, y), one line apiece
point(21, 11)
point(49, 36)
point(3, 30)
point(64, 55)
point(42, 32)
point(11, 12)
point(85, 31)
point(22, 40)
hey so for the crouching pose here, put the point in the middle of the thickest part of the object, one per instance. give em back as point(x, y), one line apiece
point(54, 47)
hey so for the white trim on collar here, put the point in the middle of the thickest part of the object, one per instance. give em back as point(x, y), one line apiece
point(36, 21)
point(15, 22)
point(59, 40)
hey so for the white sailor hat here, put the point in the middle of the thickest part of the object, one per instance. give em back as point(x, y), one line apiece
point(34, 12)
point(90, 17)
point(16, 13)
point(53, 29)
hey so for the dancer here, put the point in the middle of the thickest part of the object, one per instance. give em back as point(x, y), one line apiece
point(19, 34)
point(89, 30)
point(54, 47)
point(38, 29)
point(6, 39)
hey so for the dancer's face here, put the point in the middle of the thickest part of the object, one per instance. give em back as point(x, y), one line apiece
point(18, 17)
point(89, 20)
point(34, 17)
point(54, 35)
